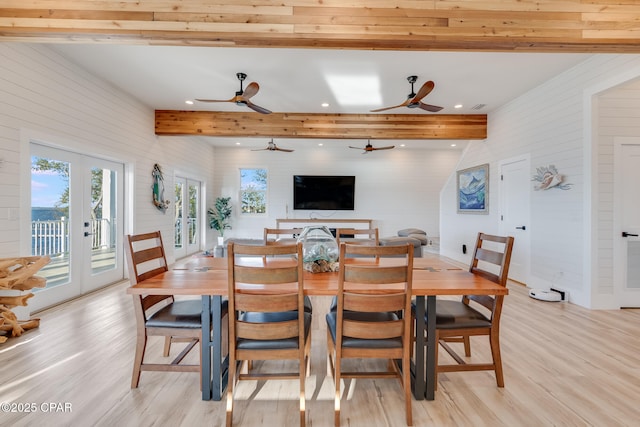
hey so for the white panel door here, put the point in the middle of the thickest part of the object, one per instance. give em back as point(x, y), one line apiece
point(514, 214)
point(627, 229)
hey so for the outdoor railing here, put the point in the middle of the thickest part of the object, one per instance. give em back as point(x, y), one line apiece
point(51, 237)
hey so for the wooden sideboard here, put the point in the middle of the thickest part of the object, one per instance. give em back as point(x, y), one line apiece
point(354, 222)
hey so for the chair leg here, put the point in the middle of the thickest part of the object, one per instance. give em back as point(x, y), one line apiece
point(336, 379)
point(467, 345)
point(231, 382)
point(167, 346)
point(141, 346)
point(497, 358)
point(303, 378)
point(406, 383)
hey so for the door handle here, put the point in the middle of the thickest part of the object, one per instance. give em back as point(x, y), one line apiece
point(524, 227)
point(625, 234)
point(86, 233)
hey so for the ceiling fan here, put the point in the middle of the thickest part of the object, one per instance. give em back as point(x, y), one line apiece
point(271, 146)
point(242, 96)
point(415, 100)
point(369, 148)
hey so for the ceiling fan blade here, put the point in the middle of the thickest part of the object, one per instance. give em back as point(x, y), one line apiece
point(424, 91)
point(261, 149)
point(404, 104)
point(251, 90)
point(384, 148)
point(218, 100)
point(286, 150)
point(432, 108)
point(355, 148)
point(257, 108)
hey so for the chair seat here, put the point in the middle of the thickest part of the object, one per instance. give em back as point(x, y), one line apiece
point(332, 318)
point(185, 314)
point(265, 317)
point(455, 315)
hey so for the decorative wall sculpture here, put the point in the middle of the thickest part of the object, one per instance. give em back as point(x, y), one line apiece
point(548, 177)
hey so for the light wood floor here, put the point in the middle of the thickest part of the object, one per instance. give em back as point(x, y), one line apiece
point(564, 366)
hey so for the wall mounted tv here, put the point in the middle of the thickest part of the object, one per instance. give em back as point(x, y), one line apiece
point(322, 192)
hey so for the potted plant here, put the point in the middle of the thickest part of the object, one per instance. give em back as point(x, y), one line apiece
point(219, 217)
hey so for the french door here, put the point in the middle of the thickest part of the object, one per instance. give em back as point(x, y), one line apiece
point(187, 216)
point(76, 220)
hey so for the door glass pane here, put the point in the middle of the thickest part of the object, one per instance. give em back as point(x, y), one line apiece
point(193, 213)
point(633, 264)
point(50, 217)
point(178, 216)
point(103, 220)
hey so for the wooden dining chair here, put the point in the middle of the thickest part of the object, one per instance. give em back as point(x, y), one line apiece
point(269, 320)
point(160, 315)
point(358, 236)
point(281, 236)
point(372, 319)
point(476, 315)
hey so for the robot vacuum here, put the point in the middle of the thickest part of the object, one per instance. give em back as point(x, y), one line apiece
point(545, 295)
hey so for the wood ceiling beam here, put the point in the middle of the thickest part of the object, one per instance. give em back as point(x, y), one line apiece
point(483, 25)
point(324, 126)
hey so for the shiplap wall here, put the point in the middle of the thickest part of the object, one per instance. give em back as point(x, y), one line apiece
point(549, 124)
point(45, 97)
point(397, 188)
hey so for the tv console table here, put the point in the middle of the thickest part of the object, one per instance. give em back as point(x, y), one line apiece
point(279, 221)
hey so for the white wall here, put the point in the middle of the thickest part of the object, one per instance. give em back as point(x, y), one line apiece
point(552, 124)
point(45, 97)
point(397, 188)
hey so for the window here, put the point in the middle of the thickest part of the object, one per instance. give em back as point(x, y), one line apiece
point(253, 191)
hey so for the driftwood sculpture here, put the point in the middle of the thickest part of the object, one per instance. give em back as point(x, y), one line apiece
point(18, 274)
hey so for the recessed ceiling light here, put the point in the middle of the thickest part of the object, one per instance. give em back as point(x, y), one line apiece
point(453, 145)
point(402, 145)
point(457, 106)
point(320, 144)
point(325, 104)
point(237, 143)
point(188, 101)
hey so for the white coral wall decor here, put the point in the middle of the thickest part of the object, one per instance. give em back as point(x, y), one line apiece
point(548, 177)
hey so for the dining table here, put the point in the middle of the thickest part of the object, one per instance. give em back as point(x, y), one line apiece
point(207, 277)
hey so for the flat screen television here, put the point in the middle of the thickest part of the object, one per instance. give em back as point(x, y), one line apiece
point(322, 192)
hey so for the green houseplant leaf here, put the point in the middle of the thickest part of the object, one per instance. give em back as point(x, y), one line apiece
point(220, 214)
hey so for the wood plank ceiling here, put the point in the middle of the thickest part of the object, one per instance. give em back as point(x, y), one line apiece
point(591, 26)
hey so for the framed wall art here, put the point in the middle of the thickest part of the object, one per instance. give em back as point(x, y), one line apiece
point(473, 190)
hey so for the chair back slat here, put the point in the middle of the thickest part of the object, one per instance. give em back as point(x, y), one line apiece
point(248, 274)
point(267, 331)
point(266, 303)
point(375, 274)
point(364, 330)
point(373, 303)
